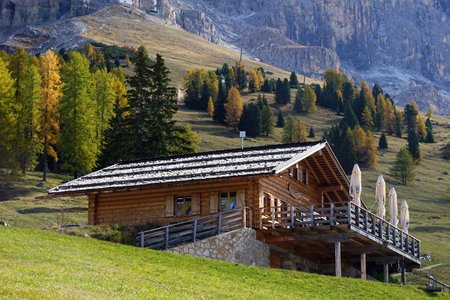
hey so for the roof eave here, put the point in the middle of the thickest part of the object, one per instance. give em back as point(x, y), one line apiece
point(299, 157)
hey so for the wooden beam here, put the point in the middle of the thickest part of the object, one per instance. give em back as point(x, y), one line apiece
point(362, 249)
point(337, 259)
point(331, 188)
point(325, 175)
point(386, 272)
point(329, 238)
point(363, 267)
point(311, 170)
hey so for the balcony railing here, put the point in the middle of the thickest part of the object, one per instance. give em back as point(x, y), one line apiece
point(357, 218)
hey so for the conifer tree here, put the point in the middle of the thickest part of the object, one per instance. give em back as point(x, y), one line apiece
point(397, 124)
point(204, 96)
point(430, 137)
point(7, 116)
point(210, 109)
point(266, 121)
point(233, 107)
point(280, 119)
point(411, 112)
point(421, 129)
point(266, 87)
point(286, 91)
point(366, 119)
point(241, 78)
point(289, 130)
point(219, 107)
point(186, 141)
point(311, 133)
point(77, 143)
point(293, 81)
point(403, 168)
point(49, 107)
point(349, 116)
point(279, 92)
point(382, 143)
point(298, 104)
point(300, 133)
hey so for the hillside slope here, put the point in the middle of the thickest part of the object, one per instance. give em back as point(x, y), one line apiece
point(40, 264)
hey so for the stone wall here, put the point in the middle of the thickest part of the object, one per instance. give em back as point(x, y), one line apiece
point(239, 246)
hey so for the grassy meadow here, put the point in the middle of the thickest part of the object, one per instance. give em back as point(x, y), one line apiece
point(38, 264)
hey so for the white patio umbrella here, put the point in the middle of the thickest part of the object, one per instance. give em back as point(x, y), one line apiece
point(393, 207)
point(404, 216)
point(355, 185)
point(380, 197)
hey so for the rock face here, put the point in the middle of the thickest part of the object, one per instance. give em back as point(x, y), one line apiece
point(404, 45)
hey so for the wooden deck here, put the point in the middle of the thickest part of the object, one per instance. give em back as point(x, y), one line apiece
point(338, 222)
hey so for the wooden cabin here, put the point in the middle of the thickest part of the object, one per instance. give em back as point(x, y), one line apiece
point(295, 196)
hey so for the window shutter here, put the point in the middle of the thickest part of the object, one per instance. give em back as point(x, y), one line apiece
point(196, 204)
point(213, 203)
point(240, 196)
point(169, 206)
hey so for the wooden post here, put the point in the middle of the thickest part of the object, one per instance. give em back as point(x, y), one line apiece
point(337, 259)
point(142, 239)
point(292, 218)
point(219, 225)
point(366, 216)
point(386, 272)
point(332, 223)
point(273, 217)
point(312, 215)
point(357, 215)
point(363, 267)
point(194, 237)
point(349, 213)
point(388, 229)
point(404, 275)
point(380, 229)
point(167, 238)
point(245, 217)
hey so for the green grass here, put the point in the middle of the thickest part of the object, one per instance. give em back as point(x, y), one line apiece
point(40, 264)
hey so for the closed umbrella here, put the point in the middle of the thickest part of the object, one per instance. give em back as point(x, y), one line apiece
point(404, 216)
point(393, 207)
point(355, 185)
point(380, 197)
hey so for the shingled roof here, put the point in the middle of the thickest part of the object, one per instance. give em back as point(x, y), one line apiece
point(184, 168)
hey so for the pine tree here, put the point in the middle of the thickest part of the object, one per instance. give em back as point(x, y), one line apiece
point(279, 92)
point(293, 81)
point(49, 107)
point(413, 144)
point(349, 116)
point(347, 152)
point(382, 143)
point(210, 109)
point(403, 168)
point(233, 107)
point(421, 129)
point(289, 129)
point(251, 120)
point(241, 78)
point(186, 141)
point(280, 119)
point(7, 116)
point(219, 107)
point(430, 137)
point(298, 104)
point(311, 133)
point(77, 144)
point(266, 87)
point(397, 124)
point(377, 90)
point(204, 96)
point(266, 120)
point(411, 112)
point(286, 91)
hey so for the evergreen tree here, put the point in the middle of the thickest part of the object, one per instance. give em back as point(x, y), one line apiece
point(286, 92)
point(413, 144)
point(204, 97)
point(186, 141)
point(266, 87)
point(251, 120)
point(421, 129)
point(293, 81)
point(366, 119)
point(77, 144)
point(241, 78)
point(49, 107)
point(233, 107)
point(280, 119)
point(348, 92)
point(430, 137)
point(398, 124)
point(219, 107)
point(403, 168)
point(279, 92)
point(210, 109)
point(8, 117)
point(382, 143)
point(289, 130)
point(266, 121)
point(192, 98)
point(411, 112)
point(349, 116)
point(377, 90)
point(311, 133)
point(298, 104)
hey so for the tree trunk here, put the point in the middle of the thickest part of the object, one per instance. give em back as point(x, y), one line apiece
point(44, 161)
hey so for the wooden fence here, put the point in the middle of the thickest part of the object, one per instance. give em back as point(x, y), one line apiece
point(169, 236)
point(357, 218)
point(435, 285)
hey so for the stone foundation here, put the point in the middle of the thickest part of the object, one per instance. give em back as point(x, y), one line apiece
point(239, 246)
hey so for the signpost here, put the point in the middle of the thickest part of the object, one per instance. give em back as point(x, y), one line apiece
point(242, 136)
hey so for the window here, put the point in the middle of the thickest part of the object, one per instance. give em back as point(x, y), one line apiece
point(227, 201)
point(183, 205)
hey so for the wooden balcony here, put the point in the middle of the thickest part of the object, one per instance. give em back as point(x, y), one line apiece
point(348, 220)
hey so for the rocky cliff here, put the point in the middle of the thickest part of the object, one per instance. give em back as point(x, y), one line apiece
point(402, 44)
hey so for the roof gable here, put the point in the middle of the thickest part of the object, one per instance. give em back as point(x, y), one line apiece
point(184, 168)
